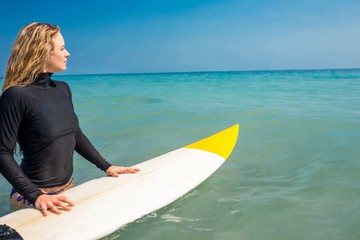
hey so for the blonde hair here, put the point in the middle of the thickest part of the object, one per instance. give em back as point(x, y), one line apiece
point(31, 52)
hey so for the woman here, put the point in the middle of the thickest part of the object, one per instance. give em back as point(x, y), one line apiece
point(37, 112)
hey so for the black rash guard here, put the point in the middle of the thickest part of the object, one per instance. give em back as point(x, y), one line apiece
point(41, 118)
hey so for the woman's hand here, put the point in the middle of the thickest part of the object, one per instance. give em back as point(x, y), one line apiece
point(53, 203)
point(114, 171)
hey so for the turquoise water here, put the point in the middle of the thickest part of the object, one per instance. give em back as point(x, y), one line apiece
point(294, 174)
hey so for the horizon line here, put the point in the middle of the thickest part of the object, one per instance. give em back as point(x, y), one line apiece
point(208, 71)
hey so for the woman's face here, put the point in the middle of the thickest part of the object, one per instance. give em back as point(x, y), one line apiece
point(59, 58)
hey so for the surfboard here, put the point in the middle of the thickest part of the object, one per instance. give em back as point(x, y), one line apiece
point(106, 204)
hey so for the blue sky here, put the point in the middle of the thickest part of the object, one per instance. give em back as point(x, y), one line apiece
point(136, 36)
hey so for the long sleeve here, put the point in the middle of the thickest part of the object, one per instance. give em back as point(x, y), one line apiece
point(87, 150)
point(12, 110)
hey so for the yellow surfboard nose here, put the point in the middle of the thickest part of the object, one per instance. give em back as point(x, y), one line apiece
point(221, 143)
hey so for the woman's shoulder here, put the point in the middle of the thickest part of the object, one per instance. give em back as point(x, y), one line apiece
point(15, 92)
point(14, 95)
point(64, 86)
point(61, 84)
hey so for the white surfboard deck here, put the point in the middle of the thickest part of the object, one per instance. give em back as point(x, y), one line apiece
point(106, 204)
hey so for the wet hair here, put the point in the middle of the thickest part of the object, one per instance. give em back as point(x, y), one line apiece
point(31, 52)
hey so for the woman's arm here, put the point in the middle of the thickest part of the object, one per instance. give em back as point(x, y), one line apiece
point(12, 110)
point(87, 150)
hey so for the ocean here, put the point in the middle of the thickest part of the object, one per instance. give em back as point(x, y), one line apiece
point(294, 173)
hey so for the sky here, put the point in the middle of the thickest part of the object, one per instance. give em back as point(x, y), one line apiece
point(138, 36)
